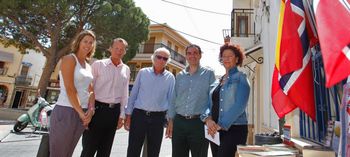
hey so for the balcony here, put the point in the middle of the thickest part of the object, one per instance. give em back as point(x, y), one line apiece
point(3, 71)
point(242, 23)
point(243, 28)
point(150, 48)
point(23, 80)
point(54, 83)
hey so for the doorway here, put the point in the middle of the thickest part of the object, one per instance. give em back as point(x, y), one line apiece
point(3, 95)
point(17, 100)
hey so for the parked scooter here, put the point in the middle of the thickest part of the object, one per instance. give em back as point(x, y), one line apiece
point(38, 115)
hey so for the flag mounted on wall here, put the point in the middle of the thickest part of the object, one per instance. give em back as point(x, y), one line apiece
point(292, 81)
point(332, 20)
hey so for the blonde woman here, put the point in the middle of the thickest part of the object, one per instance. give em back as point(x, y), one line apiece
point(71, 115)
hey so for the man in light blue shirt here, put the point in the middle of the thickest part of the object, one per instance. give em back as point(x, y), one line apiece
point(189, 102)
point(148, 103)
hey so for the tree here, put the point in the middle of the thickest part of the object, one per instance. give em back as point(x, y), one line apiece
point(49, 27)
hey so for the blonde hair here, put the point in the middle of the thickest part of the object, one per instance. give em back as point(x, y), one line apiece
point(119, 40)
point(79, 37)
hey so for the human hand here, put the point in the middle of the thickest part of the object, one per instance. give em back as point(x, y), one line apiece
point(84, 119)
point(120, 123)
point(89, 114)
point(212, 126)
point(127, 122)
point(169, 129)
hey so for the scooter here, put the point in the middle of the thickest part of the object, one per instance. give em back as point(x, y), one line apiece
point(38, 115)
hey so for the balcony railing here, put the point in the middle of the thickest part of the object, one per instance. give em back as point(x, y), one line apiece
point(242, 23)
point(3, 71)
point(150, 48)
point(23, 80)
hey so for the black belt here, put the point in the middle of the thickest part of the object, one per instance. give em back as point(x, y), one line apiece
point(188, 117)
point(99, 104)
point(150, 113)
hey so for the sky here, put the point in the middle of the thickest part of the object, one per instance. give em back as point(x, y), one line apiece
point(197, 23)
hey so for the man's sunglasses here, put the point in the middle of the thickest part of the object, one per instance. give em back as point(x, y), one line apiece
point(161, 57)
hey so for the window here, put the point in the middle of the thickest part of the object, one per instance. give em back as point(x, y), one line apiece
point(3, 70)
point(2, 64)
point(242, 26)
point(176, 49)
point(169, 44)
point(327, 106)
point(24, 70)
point(149, 45)
point(242, 23)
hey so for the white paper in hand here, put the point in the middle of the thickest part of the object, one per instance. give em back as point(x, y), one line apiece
point(215, 139)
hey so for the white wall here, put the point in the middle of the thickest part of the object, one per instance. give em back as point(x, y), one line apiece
point(269, 24)
point(244, 4)
point(38, 60)
point(245, 42)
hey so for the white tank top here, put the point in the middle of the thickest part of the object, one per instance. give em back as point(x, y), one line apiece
point(82, 80)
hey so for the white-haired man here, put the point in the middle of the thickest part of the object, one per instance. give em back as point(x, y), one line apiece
point(148, 103)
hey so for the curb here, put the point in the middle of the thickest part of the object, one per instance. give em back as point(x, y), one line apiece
point(10, 114)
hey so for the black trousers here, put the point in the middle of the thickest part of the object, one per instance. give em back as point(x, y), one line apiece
point(100, 135)
point(145, 124)
point(188, 136)
point(236, 135)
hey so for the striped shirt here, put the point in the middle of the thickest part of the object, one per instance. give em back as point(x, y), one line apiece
point(111, 83)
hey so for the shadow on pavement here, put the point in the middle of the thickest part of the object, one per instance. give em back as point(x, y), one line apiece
point(25, 135)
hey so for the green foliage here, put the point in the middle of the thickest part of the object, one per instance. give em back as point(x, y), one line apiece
point(120, 19)
point(49, 25)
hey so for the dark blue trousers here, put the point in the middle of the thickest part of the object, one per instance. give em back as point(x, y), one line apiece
point(145, 124)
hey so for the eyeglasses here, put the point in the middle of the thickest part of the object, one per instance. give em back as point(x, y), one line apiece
point(161, 57)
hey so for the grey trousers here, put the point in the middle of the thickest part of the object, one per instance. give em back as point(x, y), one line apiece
point(65, 131)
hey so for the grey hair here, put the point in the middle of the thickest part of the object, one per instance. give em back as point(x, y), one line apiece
point(161, 49)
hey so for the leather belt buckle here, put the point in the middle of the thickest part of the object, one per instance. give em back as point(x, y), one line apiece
point(99, 104)
point(189, 117)
point(111, 105)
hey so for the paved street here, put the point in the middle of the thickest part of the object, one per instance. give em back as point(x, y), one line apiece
point(26, 144)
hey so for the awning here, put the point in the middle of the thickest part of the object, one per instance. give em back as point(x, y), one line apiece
point(6, 56)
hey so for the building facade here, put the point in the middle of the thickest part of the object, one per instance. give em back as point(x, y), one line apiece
point(19, 76)
point(160, 35)
point(10, 63)
point(21, 73)
point(245, 32)
point(254, 26)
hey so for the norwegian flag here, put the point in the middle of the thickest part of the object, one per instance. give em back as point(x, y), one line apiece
point(292, 81)
point(333, 19)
